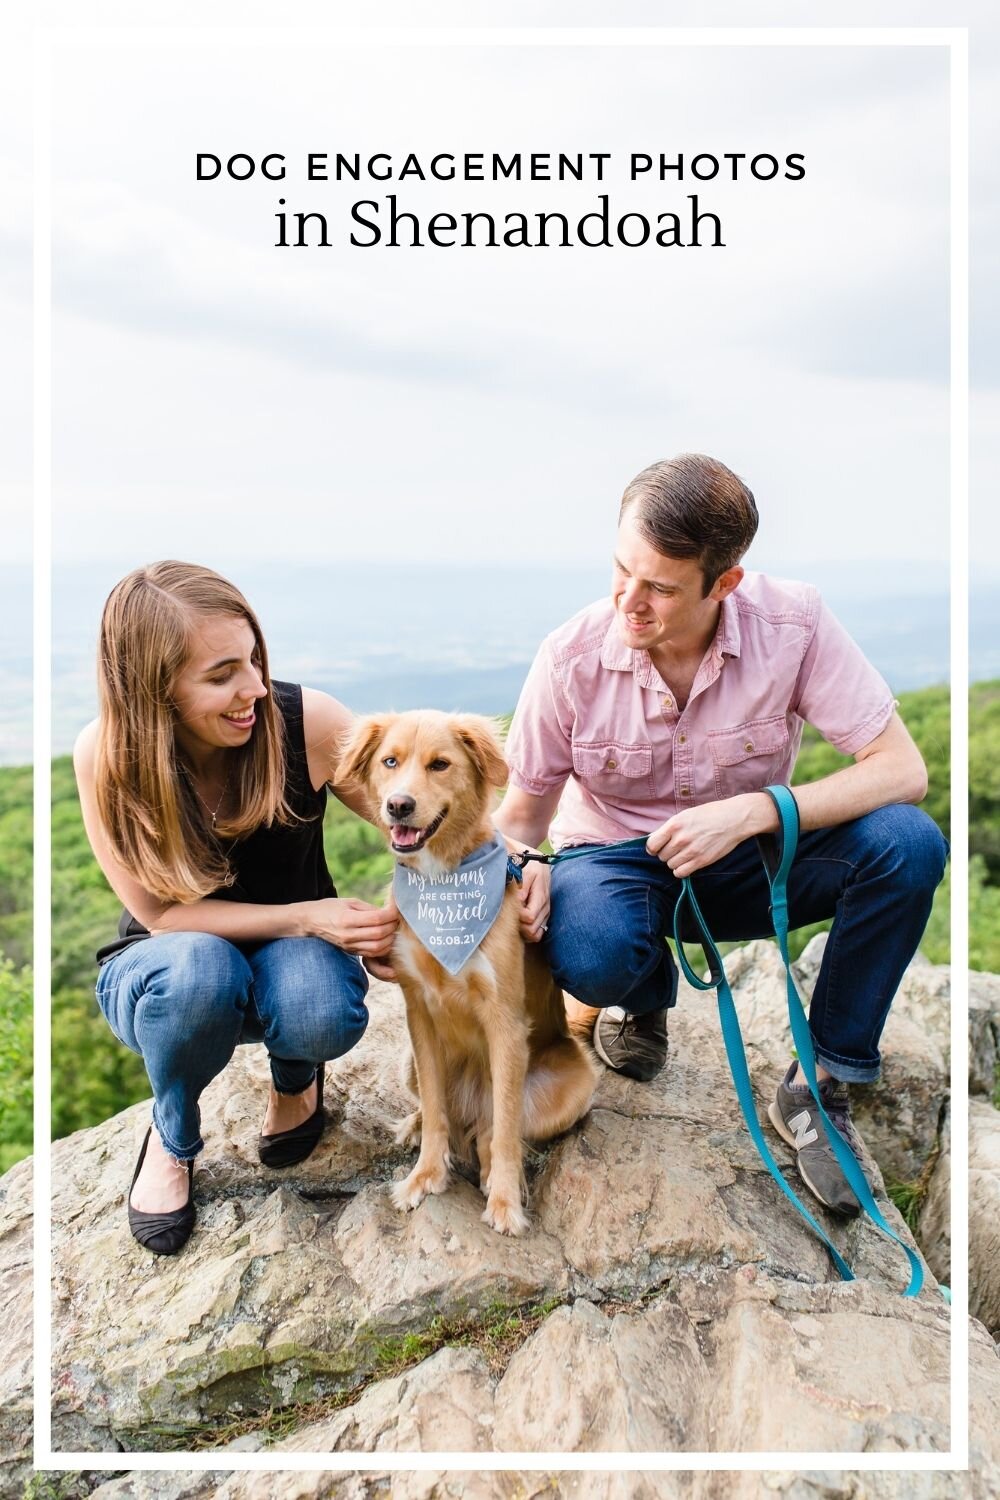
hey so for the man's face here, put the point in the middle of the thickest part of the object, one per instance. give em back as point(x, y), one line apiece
point(658, 599)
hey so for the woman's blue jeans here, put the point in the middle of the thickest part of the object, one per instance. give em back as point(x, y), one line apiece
point(875, 877)
point(185, 1000)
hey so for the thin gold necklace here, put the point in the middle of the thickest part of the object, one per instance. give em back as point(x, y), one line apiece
point(213, 812)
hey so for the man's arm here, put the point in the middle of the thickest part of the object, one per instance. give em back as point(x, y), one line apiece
point(525, 818)
point(889, 769)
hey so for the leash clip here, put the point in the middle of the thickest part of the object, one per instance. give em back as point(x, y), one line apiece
point(520, 859)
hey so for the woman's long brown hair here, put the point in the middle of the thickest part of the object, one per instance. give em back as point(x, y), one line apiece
point(145, 795)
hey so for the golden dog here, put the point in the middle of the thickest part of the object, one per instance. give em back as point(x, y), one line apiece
point(492, 1060)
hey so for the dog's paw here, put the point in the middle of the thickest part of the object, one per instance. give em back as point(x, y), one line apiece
point(408, 1131)
point(504, 1214)
point(422, 1180)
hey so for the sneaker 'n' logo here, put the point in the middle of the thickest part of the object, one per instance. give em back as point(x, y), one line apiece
point(800, 1125)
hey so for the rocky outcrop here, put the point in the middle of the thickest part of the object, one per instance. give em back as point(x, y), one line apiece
point(666, 1296)
point(984, 1162)
point(984, 1034)
point(15, 1324)
point(298, 1290)
point(901, 1115)
point(984, 1214)
point(552, 1484)
point(905, 1117)
point(934, 1229)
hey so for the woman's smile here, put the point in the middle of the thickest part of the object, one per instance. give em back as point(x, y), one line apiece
point(241, 718)
point(223, 660)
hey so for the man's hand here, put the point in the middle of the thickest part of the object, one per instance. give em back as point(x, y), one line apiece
point(699, 836)
point(523, 820)
point(533, 893)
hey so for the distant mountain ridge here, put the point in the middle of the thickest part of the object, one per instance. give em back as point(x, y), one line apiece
point(379, 636)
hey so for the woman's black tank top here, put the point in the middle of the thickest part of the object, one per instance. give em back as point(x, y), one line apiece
point(273, 866)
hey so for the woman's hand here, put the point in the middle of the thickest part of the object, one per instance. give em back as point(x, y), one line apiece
point(534, 895)
point(352, 925)
point(381, 968)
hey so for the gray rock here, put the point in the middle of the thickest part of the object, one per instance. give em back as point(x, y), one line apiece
point(444, 1404)
point(458, 1485)
point(15, 1328)
point(934, 1232)
point(923, 997)
point(805, 1368)
point(900, 1115)
point(592, 1484)
point(202, 1484)
point(984, 1033)
point(906, 1484)
point(684, 1276)
point(984, 1214)
point(984, 1403)
point(628, 1384)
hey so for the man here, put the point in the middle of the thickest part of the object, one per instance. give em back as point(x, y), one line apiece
point(664, 711)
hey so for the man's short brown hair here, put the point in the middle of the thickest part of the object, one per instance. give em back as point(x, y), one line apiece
point(693, 506)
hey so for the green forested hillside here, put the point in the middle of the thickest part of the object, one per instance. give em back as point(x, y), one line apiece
point(15, 955)
point(984, 779)
point(93, 1077)
point(15, 864)
point(15, 1063)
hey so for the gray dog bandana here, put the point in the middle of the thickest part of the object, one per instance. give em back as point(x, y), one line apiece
point(453, 912)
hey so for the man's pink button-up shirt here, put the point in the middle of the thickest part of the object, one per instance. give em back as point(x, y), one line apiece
point(596, 718)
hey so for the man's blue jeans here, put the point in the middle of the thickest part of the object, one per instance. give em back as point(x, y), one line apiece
point(875, 877)
point(185, 1000)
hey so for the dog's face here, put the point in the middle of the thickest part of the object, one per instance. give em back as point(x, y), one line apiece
point(430, 778)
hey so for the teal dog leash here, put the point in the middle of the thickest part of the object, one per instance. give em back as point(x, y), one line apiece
point(778, 853)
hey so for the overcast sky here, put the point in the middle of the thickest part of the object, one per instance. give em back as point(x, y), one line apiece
point(215, 396)
point(213, 391)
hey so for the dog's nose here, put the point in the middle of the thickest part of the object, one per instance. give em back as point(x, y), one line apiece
point(399, 807)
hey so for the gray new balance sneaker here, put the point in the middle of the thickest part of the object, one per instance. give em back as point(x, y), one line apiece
point(633, 1045)
point(797, 1120)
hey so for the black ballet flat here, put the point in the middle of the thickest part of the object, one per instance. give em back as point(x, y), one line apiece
point(291, 1146)
point(163, 1234)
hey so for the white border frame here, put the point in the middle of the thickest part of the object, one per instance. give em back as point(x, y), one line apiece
point(955, 39)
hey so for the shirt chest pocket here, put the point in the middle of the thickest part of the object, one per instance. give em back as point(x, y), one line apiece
point(614, 771)
point(750, 756)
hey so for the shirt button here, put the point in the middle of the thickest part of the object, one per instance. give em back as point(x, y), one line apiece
point(682, 739)
point(685, 791)
point(611, 764)
point(668, 702)
point(749, 745)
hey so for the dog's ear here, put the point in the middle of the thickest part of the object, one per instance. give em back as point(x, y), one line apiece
point(357, 748)
point(481, 737)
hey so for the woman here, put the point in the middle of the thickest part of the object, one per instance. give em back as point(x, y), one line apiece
point(203, 785)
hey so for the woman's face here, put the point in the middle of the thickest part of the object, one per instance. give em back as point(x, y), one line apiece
point(217, 688)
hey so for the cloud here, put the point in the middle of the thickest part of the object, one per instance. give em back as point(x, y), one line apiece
point(194, 260)
point(216, 393)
